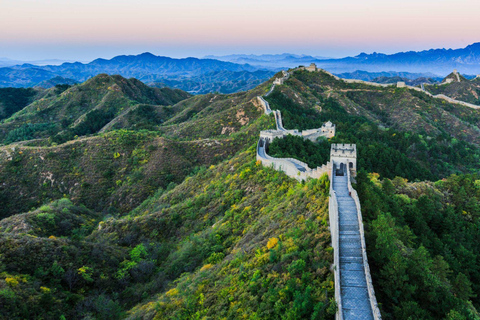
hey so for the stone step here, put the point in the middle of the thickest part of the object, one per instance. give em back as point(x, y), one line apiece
point(351, 239)
point(347, 206)
point(350, 260)
point(354, 293)
point(351, 208)
point(356, 304)
point(348, 228)
point(350, 245)
point(353, 314)
point(350, 252)
point(351, 266)
point(344, 217)
point(348, 220)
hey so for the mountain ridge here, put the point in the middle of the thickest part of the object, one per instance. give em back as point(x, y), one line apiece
point(145, 67)
point(441, 61)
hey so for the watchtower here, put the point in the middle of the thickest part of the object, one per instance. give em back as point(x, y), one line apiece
point(328, 129)
point(344, 157)
point(312, 67)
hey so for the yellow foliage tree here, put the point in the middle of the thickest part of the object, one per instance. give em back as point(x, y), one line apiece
point(272, 242)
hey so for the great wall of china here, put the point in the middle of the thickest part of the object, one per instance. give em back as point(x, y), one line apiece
point(313, 68)
point(354, 292)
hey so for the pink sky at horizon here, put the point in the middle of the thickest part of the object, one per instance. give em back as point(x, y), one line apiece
point(84, 30)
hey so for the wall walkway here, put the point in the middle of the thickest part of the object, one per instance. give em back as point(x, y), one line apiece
point(353, 283)
point(354, 291)
point(292, 167)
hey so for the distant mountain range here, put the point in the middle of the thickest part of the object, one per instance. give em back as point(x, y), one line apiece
point(283, 60)
point(6, 62)
point(435, 61)
point(218, 81)
point(438, 61)
point(46, 84)
point(240, 72)
point(145, 67)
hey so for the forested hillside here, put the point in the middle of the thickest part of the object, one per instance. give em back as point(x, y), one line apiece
point(422, 237)
point(164, 213)
point(67, 111)
point(398, 132)
point(14, 99)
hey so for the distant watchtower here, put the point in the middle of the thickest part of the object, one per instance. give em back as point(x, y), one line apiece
point(312, 67)
point(344, 157)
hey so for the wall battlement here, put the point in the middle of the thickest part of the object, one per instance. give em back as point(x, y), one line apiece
point(291, 167)
point(344, 156)
point(327, 130)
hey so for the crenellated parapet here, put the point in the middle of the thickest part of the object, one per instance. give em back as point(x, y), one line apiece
point(327, 130)
point(291, 167)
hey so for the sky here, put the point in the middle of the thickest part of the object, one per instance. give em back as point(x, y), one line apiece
point(83, 30)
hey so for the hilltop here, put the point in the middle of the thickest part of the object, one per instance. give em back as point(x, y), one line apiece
point(65, 111)
point(165, 213)
point(458, 87)
point(195, 132)
point(47, 84)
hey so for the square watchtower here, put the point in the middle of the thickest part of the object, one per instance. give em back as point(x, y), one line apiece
point(344, 156)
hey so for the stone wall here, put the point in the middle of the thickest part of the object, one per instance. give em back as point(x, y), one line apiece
point(291, 167)
point(334, 231)
point(465, 104)
point(312, 134)
point(444, 97)
point(340, 153)
point(371, 290)
point(264, 104)
point(278, 120)
point(272, 134)
point(383, 85)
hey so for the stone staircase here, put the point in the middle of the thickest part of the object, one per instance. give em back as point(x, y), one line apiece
point(353, 285)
